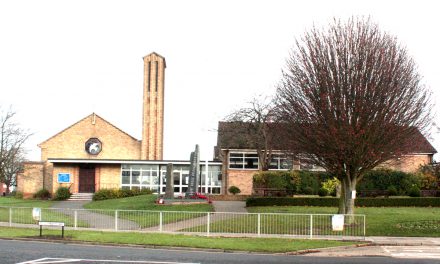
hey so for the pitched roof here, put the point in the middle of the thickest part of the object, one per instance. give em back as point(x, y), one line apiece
point(83, 120)
point(232, 135)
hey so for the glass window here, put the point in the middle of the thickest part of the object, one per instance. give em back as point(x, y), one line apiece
point(251, 161)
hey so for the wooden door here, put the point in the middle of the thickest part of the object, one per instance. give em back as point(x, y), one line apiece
point(86, 179)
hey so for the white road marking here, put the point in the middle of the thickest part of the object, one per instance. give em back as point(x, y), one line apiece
point(69, 260)
point(418, 252)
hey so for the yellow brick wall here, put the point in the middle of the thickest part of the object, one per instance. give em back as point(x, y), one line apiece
point(73, 170)
point(110, 176)
point(31, 179)
point(242, 179)
point(70, 143)
point(408, 163)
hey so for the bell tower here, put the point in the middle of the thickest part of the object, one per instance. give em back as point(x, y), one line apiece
point(153, 107)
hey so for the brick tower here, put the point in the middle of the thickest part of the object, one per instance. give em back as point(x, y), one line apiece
point(153, 107)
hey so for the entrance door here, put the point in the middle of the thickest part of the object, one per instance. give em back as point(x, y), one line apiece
point(86, 179)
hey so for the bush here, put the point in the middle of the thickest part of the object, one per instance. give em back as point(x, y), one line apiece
point(392, 190)
point(63, 193)
point(234, 190)
point(322, 192)
point(414, 191)
point(42, 194)
point(105, 194)
point(286, 180)
point(381, 179)
point(334, 202)
point(331, 185)
point(308, 190)
point(18, 195)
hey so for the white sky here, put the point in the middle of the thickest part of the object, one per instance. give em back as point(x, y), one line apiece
point(62, 60)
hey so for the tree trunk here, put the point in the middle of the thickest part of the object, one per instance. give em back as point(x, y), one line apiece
point(341, 209)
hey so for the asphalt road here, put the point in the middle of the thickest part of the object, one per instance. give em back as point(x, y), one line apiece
point(30, 252)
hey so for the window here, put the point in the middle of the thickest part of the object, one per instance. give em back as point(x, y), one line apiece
point(280, 162)
point(243, 161)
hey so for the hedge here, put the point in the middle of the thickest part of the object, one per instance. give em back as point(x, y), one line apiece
point(105, 194)
point(334, 202)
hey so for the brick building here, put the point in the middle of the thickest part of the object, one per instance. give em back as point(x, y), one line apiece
point(240, 160)
point(93, 154)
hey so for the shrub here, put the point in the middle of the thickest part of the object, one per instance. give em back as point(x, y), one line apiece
point(381, 179)
point(334, 202)
point(322, 192)
point(234, 190)
point(63, 193)
point(392, 190)
point(42, 194)
point(331, 185)
point(308, 190)
point(414, 191)
point(18, 195)
point(105, 194)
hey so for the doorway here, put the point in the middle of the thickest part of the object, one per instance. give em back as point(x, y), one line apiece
point(86, 179)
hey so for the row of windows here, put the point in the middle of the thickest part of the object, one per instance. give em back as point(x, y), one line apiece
point(153, 177)
point(250, 161)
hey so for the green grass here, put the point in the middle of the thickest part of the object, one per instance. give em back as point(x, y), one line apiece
point(272, 245)
point(14, 202)
point(147, 203)
point(380, 221)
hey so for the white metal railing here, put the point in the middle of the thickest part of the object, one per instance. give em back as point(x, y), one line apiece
point(203, 223)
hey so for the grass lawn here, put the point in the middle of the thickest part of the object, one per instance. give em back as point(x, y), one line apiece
point(273, 245)
point(14, 202)
point(380, 221)
point(147, 202)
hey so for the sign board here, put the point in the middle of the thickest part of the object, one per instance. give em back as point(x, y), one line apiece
point(36, 214)
point(63, 177)
point(50, 223)
point(353, 194)
point(338, 222)
point(194, 171)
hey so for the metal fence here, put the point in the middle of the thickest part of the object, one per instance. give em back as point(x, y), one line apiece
point(202, 223)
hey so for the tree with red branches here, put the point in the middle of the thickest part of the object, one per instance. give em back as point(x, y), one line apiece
point(351, 98)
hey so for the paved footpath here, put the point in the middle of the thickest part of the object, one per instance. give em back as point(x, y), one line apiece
point(94, 220)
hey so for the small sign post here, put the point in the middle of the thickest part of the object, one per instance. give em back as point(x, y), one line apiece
point(338, 222)
point(36, 214)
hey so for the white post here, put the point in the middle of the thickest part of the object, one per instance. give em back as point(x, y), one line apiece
point(10, 216)
point(207, 227)
point(259, 225)
point(160, 221)
point(116, 220)
point(364, 228)
point(311, 226)
point(206, 176)
point(75, 220)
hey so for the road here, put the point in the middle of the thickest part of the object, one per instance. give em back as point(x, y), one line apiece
point(31, 252)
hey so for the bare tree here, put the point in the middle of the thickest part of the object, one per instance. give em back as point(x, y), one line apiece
point(254, 126)
point(12, 139)
point(351, 98)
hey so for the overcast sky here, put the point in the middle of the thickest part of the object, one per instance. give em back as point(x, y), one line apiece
point(62, 60)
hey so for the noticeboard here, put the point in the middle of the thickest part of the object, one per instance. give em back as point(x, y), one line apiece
point(338, 222)
point(63, 177)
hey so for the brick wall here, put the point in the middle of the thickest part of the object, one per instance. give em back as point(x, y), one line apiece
point(242, 179)
point(110, 176)
point(31, 179)
point(70, 143)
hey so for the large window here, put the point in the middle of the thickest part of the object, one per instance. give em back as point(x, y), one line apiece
point(153, 177)
point(248, 161)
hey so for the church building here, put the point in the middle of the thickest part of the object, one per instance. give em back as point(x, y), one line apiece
point(94, 154)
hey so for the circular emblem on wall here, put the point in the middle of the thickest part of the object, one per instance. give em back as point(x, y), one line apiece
point(93, 146)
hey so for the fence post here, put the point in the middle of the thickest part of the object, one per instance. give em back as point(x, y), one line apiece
point(311, 226)
point(364, 228)
point(259, 224)
point(10, 216)
point(75, 213)
point(209, 221)
point(160, 221)
point(116, 220)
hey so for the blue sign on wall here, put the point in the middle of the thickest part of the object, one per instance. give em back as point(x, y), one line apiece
point(63, 177)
